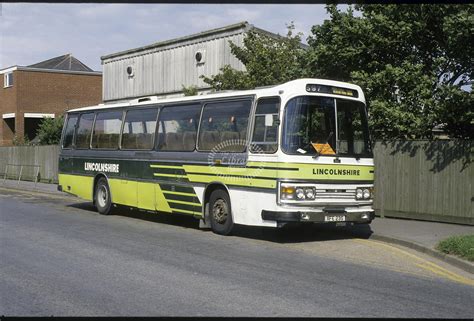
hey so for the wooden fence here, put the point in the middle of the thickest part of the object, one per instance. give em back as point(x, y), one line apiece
point(425, 180)
point(413, 179)
point(30, 161)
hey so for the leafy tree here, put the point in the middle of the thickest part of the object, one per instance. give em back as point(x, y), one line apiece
point(49, 131)
point(20, 141)
point(411, 60)
point(190, 91)
point(268, 61)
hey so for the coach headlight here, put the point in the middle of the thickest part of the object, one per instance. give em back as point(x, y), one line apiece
point(364, 193)
point(297, 192)
point(287, 193)
point(310, 193)
point(300, 194)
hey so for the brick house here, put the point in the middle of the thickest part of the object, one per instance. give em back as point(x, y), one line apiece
point(45, 89)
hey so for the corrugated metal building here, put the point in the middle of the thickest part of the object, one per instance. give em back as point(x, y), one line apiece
point(163, 68)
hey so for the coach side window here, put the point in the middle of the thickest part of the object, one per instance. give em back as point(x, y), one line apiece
point(265, 131)
point(107, 129)
point(178, 127)
point(84, 130)
point(69, 131)
point(139, 129)
point(224, 126)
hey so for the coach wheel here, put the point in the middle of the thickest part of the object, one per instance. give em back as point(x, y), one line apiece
point(220, 212)
point(103, 201)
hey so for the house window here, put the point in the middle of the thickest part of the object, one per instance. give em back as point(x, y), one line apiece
point(8, 80)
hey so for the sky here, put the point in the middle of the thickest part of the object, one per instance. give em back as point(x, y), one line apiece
point(32, 32)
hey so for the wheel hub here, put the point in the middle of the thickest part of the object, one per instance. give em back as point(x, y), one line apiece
point(102, 196)
point(220, 211)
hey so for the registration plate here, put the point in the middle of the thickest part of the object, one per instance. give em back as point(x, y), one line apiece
point(334, 218)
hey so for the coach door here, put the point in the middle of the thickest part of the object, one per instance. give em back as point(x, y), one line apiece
point(177, 132)
point(138, 135)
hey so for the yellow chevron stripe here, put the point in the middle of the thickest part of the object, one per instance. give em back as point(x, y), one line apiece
point(179, 193)
point(183, 211)
point(170, 175)
point(242, 181)
point(183, 202)
point(166, 166)
point(240, 171)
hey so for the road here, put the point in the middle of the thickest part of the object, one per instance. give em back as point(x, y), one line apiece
point(59, 257)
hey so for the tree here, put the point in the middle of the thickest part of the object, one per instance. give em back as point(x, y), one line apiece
point(190, 91)
point(20, 141)
point(268, 61)
point(49, 131)
point(411, 60)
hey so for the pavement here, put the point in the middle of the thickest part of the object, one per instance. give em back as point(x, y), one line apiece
point(422, 236)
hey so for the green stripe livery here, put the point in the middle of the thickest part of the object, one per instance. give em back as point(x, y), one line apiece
point(167, 187)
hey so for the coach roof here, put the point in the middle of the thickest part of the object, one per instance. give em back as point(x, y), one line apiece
point(267, 91)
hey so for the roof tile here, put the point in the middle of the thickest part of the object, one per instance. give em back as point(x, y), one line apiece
point(65, 62)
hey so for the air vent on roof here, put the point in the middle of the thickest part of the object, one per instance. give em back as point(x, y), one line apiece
point(144, 99)
point(263, 87)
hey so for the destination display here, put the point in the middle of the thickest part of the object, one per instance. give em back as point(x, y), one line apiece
point(314, 88)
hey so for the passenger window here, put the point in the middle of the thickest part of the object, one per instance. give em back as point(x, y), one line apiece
point(265, 131)
point(139, 129)
point(84, 130)
point(178, 128)
point(69, 131)
point(224, 126)
point(107, 130)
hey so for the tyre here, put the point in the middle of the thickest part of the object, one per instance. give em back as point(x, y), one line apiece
point(102, 197)
point(220, 212)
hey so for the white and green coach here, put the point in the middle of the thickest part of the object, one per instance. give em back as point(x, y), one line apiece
point(296, 152)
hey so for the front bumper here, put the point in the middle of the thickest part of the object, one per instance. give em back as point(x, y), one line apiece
point(318, 217)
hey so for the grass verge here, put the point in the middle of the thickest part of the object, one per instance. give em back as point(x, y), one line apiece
point(462, 245)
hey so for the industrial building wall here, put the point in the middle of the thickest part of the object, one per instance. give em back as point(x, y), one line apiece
point(165, 71)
